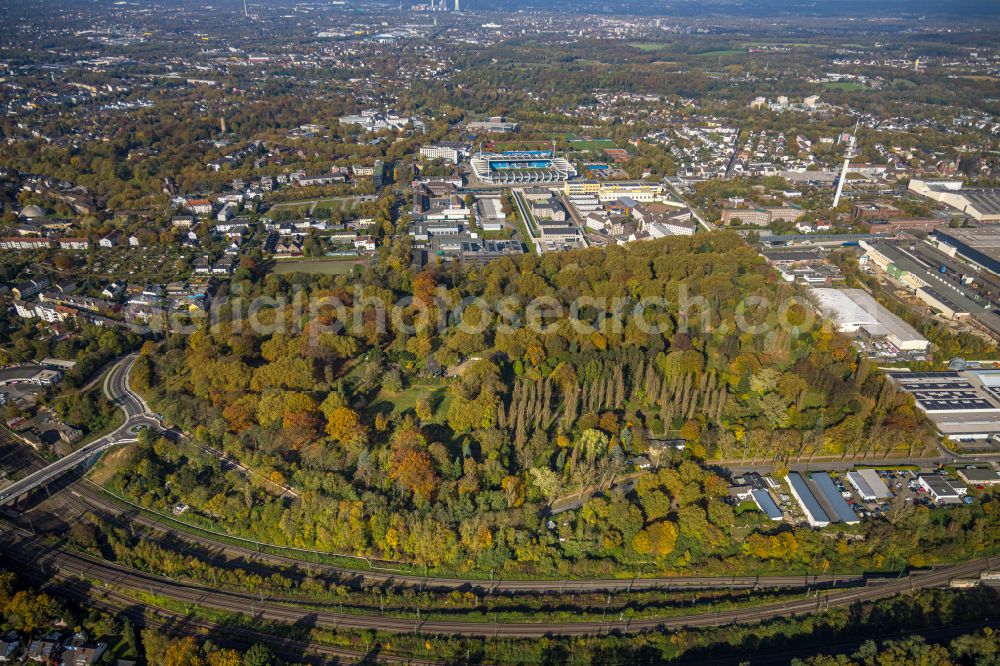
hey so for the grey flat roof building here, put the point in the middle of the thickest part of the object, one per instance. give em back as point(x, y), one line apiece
point(986, 200)
point(814, 513)
point(979, 475)
point(766, 504)
point(868, 484)
point(834, 500)
point(980, 245)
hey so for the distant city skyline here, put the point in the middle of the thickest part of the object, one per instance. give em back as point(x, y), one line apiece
point(744, 7)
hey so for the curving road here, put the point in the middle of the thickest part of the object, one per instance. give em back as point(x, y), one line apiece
point(31, 554)
point(137, 416)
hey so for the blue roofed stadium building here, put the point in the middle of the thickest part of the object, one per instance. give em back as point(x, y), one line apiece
point(521, 168)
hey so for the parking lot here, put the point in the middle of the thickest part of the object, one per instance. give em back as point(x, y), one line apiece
point(900, 482)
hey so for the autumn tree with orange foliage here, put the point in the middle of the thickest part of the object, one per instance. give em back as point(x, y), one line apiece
point(413, 470)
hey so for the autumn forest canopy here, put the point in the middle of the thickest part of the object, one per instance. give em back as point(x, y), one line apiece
point(441, 447)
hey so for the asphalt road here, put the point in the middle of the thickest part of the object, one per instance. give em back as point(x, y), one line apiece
point(694, 211)
point(137, 415)
point(30, 553)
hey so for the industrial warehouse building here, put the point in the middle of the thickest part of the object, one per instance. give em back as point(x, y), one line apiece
point(766, 504)
point(949, 307)
point(979, 476)
point(834, 501)
point(941, 489)
point(964, 406)
point(854, 311)
point(981, 246)
point(981, 204)
point(814, 513)
point(868, 484)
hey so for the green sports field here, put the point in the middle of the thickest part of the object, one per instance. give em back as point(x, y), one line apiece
point(330, 266)
point(595, 145)
point(647, 46)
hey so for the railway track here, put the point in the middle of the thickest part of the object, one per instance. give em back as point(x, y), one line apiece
point(89, 495)
point(171, 622)
point(71, 565)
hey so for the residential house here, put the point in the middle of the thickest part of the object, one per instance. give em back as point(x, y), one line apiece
point(223, 266)
point(203, 266)
point(30, 288)
point(287, 248)
point(111, 240)
point(82, 652)
point(18, 243)
point(365, 244)
point(113, 291)
point(74, 244)
point(226, 213)
point(199, 206)
point(9, 645)
point(45, 649)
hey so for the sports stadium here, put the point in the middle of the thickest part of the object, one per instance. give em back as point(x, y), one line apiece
point(521, 167)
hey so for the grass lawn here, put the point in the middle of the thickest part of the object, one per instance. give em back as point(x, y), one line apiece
point(342, 205)
point(845, 86)
point(522, 227)
point(329, 266)
point(406, 400)
point(329, 203)
point(593, 145)
point(786, 45)
point(109, 463)
point(647, 46)
point(120, 648)
point(722, 52)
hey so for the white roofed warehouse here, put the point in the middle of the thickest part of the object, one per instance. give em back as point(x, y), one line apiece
point(868, 485)
point(855, 311)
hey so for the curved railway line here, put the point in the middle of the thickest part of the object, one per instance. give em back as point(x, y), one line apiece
point(143, 615)
point(361, 578)
point(76, 566)
point(85, 496)
point(99, 581)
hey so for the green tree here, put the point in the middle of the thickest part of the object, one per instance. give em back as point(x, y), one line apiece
point(258, 655)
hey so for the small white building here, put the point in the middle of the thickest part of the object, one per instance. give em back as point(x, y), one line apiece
point(365, 244)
